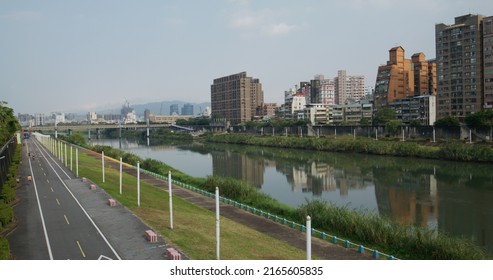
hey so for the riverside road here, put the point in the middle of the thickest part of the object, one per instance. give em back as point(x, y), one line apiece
point(57, 221)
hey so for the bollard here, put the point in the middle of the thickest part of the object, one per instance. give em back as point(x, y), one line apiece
point(346, 244)
point(293, 224)
point(276, 218)
point(284, 221)
point(361, 249)
point(302, 228)
point(334, 239)
point(390, 258)
point(323, 235)
point(267, 216)
point(376, 255)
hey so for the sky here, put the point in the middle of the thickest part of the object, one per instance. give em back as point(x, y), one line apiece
point(90, 55)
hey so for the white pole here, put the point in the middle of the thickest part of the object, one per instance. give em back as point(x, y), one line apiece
point(376, 133)
point(354, 133)
point(470, 136)
point(77, 162)
point(71, 160)
point(434, 135)
point(138, 183)
point(403, 139)
point(120, 175)
point(218, 230)
point(66, 164)
point(170, 192)
point(308, 238)
point(102, 163)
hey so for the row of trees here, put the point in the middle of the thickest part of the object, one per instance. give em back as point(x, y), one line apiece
point(8, 122)
point(479, 120)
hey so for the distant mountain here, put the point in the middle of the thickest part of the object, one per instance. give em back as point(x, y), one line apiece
point(161, 108)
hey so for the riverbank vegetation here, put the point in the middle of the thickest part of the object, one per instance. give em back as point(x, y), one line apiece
point(7, 199)
point(8, 126)
point(371, 230)
point(447, 151)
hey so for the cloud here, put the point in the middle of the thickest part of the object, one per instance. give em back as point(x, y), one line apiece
point(259, 22)
point(280, 29)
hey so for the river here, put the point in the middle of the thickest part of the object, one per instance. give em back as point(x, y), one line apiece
point(451, 197)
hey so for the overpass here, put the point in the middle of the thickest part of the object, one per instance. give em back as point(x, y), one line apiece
point(85, 127)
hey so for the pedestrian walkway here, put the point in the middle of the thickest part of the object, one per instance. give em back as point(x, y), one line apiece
point(125, 231)
point(321, 249)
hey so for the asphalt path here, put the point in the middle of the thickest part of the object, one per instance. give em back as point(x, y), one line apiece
point(52, 223)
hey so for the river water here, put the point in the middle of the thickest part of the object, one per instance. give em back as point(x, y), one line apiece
point(451, 197)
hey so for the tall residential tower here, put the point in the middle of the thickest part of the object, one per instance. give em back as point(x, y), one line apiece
point(237, 98)
point(464, 54)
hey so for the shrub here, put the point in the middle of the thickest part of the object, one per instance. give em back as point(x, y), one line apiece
point(6, 214)
point(4, 249)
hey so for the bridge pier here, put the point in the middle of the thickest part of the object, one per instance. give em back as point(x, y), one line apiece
point(89, 134)
point(98, 133)
point(147, 132)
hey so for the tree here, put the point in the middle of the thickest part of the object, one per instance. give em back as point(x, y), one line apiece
point(447, 121)
point(8, 123)
point(415, 122)
point(481, 119)
point(383, 116)
point(364, 122)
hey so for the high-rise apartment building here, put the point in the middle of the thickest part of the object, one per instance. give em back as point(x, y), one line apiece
point(403, 78)
point(488, 61)
point(237, 97)
point(395, 80)
point(322, 91)
point(424, 75)
point(460, 69)
point(348, 88)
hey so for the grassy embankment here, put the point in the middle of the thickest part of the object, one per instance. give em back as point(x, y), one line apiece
point(455, 151)
point(194, 227)
point(7, 200)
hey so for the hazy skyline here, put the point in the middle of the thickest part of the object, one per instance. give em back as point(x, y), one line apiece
point(69, 56)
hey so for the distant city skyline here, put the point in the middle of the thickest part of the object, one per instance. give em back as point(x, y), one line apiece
point(87, 55)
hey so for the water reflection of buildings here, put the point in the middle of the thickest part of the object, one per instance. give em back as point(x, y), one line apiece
point(410, 199)
point(239, 166)
point(318, 177)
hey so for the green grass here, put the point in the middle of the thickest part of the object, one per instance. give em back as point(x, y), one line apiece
point(194, 227)
point(447, 151)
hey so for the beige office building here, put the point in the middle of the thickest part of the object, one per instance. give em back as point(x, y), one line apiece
point(237, 98)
